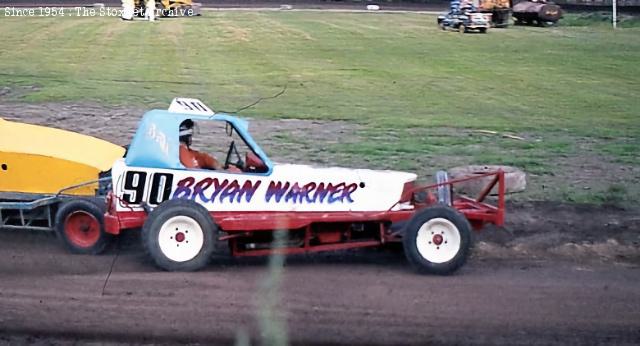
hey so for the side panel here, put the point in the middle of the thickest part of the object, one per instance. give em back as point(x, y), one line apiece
point(21, 172)
point(262, 221)
point(27, 139)
point(290, 188)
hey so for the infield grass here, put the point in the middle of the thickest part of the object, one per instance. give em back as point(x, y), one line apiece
point(417, 93)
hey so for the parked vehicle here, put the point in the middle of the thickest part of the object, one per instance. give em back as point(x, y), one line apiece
point(538, 12)
point(498, 11)
point(464, 22)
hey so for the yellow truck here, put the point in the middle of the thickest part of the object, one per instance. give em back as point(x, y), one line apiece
point(500, 11)
point(52, 179)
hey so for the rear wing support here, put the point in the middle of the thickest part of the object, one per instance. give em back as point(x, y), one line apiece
point(476, 210)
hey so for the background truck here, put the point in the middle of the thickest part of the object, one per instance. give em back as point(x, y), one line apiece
point(538, 12)
point(497, 12)
point(500, 11)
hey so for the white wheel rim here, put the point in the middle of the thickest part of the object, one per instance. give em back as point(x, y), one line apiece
point(438, 240)
point(180, 238)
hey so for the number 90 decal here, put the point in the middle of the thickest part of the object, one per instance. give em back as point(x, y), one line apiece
point(140, 187)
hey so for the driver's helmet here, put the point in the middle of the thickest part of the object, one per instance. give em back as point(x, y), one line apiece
point(186, 131)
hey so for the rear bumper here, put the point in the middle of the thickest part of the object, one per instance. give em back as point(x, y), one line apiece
point(113, 224)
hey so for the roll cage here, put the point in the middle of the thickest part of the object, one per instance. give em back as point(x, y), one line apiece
point(156, 142)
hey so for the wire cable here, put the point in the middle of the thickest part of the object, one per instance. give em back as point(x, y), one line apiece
point(284, 88)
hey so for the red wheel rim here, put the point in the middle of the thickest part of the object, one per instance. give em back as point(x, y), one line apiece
point(82, 229)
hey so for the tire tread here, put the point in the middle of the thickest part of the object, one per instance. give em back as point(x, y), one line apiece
point(416, 260)
point(95, 208)
point(163, 213)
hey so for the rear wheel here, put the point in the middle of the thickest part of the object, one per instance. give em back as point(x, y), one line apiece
point(437, 240)
point(179, 235)
point(79, 225)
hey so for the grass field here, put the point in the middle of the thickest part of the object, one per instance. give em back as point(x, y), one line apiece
point(417, 93)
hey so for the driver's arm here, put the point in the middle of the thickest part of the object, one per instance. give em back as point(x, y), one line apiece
point(208, 161)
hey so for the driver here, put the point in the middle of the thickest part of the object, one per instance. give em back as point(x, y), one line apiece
point(467, 6)
point(192, 158)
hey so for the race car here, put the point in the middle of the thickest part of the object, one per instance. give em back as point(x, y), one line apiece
point(464, 21)
point(43, 160)
point(55, 180)
point(257, 207)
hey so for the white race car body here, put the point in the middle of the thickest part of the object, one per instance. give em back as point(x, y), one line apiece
point(287, 188)
point(185, 213)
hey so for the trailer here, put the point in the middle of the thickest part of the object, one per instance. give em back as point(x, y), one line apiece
point(538, 12)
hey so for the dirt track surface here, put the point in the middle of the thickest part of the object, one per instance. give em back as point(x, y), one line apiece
point(514, 290)
point(555, 274)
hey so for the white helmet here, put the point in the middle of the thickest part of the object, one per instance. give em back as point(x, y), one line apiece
point(186, 131)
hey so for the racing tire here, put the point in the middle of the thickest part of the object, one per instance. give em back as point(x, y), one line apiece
point(179, 235)
point(442, 27)
point(79, 224)
point(483, 30)
point(437, 240)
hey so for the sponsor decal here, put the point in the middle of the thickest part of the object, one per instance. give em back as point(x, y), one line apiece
point(213, 190)
point(155, 188)
point(159, 137)
point(310, 193)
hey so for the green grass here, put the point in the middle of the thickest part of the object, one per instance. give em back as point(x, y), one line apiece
point(615, 194)
point(600, 19)
point(417, 92)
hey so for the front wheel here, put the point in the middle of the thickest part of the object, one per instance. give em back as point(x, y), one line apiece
point(179, 235)
point(437, 240)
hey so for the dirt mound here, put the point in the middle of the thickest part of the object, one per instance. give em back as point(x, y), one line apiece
point(537, 230)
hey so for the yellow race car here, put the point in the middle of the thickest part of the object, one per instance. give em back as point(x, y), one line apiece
point(44, 160)
point(52, 179)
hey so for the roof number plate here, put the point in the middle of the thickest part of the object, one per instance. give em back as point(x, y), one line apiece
point(189, 106)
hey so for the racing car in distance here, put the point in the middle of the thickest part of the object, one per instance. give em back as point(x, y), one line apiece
point(187, 214)
point(464, 21)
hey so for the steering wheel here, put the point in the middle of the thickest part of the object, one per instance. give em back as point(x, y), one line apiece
point(233, 150)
